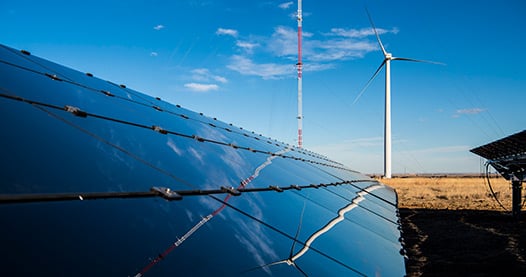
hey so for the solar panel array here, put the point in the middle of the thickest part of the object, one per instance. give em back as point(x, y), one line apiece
point(102, 180)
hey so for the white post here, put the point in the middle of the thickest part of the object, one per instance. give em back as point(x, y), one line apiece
point(299, 65)
point(387, 131)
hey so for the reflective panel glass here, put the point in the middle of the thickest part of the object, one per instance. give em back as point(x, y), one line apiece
point(99, 179)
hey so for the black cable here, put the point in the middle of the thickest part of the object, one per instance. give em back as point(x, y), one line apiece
point(166, 193)
point(491, 188)
point(53, 197)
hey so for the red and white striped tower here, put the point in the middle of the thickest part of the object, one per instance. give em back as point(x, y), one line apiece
point(299, 66)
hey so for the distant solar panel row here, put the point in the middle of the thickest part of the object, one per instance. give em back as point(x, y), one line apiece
point(101, 180)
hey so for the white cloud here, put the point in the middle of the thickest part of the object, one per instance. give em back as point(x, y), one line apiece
point(359, 33)
point(247, 46)
point(367, 142)
point(285, 5)
point(246, 66)
point(228, 32)
point(336, 46)
point(353, 33)
point(154, 54)
point(158, 27)
point(283, 42)
point(204, 75)
point(201, 87)
point(460, 112)
point(201, 71)
point(220, 79)
point(340, 49)
point(320, 52)
point(470, 111)
point(442, 150)
point(312, 67)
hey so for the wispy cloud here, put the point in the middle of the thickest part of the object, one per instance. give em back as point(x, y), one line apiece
point(204, 75)
point(284, 41)
point(337, 45)
point(204, 80)
point(321, 51)
point(246, 66)
point(154, 54)
point(285, 5)
point(339, 50)
point(440, 150)
point(158, 27)
point(461, 112)
point(220, 79)
point(367, 142)
point(246, 46)
point(227, 32)
point(359, 33)
point(350, 146)
point(201, 87)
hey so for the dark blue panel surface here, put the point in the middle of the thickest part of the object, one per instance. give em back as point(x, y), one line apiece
point(102, 180)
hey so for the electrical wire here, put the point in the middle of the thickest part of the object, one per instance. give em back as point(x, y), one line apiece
point(491, 188)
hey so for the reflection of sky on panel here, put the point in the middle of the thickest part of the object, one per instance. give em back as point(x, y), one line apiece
point(348, 192)
point(257, 242)
point(371, 216)
point(334, 221)
point(252, 235)
point(358, 253)
point(196, 154)
point(300, 250)
point(171, 144)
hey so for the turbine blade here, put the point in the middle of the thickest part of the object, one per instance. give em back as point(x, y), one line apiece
point(415, 60)
point(375, 32)
point(368, 83)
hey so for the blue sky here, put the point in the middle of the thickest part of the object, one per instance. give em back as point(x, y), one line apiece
point(235, 60)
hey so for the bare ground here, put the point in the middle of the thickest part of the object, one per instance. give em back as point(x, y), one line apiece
point(460, 229)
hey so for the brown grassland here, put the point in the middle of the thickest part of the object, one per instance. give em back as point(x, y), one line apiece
point(453, 226)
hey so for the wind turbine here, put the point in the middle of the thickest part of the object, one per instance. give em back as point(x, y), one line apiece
point(388, 57)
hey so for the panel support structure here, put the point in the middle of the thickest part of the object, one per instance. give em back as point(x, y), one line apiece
point(516, 188)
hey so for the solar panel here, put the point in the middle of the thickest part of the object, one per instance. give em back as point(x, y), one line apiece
point(99, 179)
point(506, 155)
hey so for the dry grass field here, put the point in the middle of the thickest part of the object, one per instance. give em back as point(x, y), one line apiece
point(455, 227)
point(451, 193)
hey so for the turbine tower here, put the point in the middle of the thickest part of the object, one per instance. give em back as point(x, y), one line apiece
point(388, 57)
point(299, 66)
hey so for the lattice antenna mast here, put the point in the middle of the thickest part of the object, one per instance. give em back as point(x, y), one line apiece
point(299, 66)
